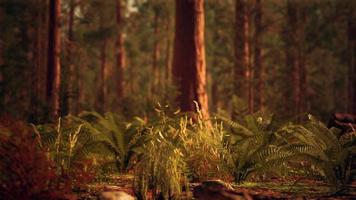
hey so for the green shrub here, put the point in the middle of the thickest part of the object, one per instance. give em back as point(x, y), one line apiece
point(117, 139)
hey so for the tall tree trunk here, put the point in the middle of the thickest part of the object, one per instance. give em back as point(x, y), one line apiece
point(156, 53)
point(189, 65)
point(43, 49)
point(241, 71)
point(71, 71)
point(295, 57)
point(352, 65)
point(1, 40)
point(260, 93)
point(102, 98)
point(291, 56)
point(120, 54)
point(214, 89)
point(37, 68)
point(249, 73)
point(54, 50)
point(168, 48)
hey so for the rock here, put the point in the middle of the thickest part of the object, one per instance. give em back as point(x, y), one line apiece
point(218, 190)
point(115, 195)
point(111, 188)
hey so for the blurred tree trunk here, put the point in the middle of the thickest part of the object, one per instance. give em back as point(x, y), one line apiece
point(38, 68)
point(214, 89)
point(43, 51)
point(189, 65)
point(103, 91)
point(260, 93)
point(242, 73)
point(156, 53)
point(1, 41)
point(120, 51)
point(168, 48)
point(54, 50)
point(69, 103)
point(295, 58)
point(352, 65)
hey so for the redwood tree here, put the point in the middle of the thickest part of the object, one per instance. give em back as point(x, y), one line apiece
point(53, 63)
point(156, 50)
point(260, 93)
point(242, 71)
point(71, 71)
point(352, 65)
point(295, 58)
point(120, 59)
point(189, 65)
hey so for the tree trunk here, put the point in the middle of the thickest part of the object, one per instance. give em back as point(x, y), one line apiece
point(71, 71)
point(101, 104)
point(156, 54)
point(294, 59)
point(168, 48)
point(120, 54)
point(54, 50)
point(189, 65)
point(352, 65)
point(242, 73)
point(260, 93)
point(1, 41)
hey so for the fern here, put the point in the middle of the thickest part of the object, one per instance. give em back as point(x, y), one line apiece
point(116, 138)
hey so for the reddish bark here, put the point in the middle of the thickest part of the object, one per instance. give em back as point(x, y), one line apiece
point(242, 69)
point(260, 93)
point(189, 65)
point(71, 71)
point(53, 63)
point(295, 57)
point(120, 51)
point(156, 53)
point(103, 91)
point(168, 48)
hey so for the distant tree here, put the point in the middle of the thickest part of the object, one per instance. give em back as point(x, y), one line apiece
point(120, 51)
point(295, 59)
point(258, 64)
point(156, 48)
point(70, 99)
point(242, 69)
point(352, 63)
point(189, 65)
point(53, 63)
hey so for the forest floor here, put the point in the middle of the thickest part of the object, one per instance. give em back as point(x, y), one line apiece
point(275, 189)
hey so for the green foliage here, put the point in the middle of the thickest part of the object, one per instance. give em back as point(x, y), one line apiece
point(117, 139)
point(327, 155)
point(69, 143)
point(177, 148)
point(255, 146)
point(259, 148)
point(162, 166)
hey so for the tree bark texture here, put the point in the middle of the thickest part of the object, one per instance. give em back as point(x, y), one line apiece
point(53, 63)
point(71, 71)
point(189, 65)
